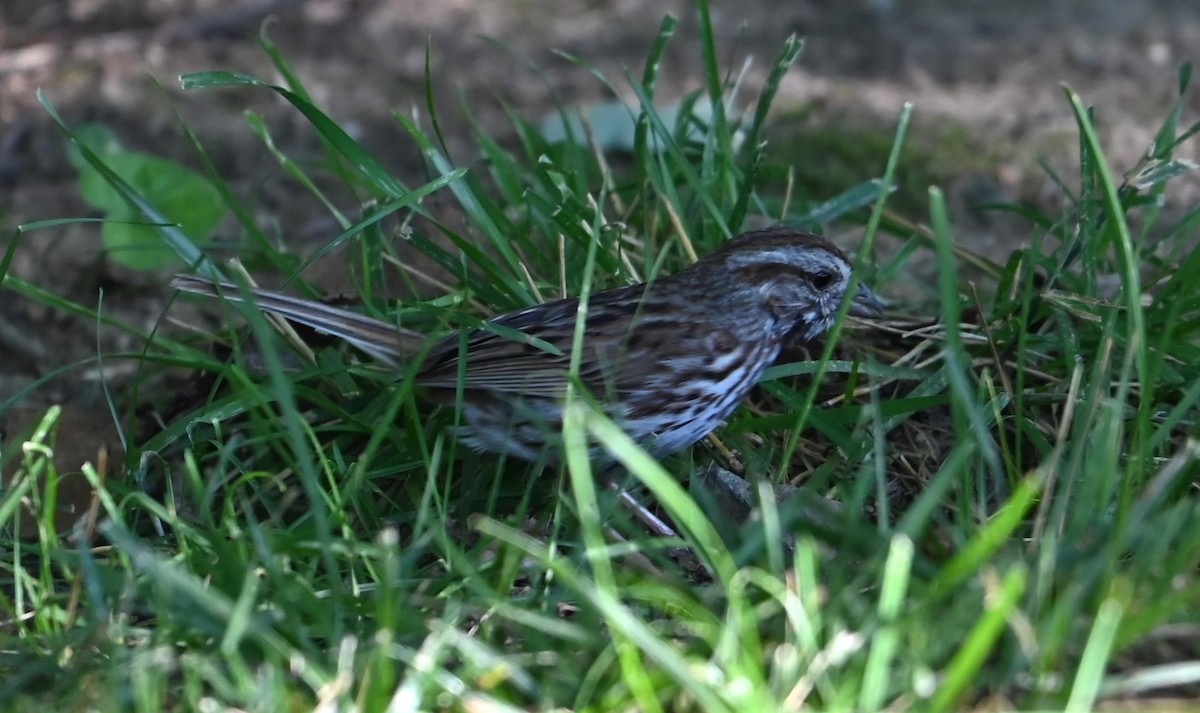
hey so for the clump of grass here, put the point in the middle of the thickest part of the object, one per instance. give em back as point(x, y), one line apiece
point(1015, 472)
point(837, 155)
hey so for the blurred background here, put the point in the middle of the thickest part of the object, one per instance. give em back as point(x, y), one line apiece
point(984, 78)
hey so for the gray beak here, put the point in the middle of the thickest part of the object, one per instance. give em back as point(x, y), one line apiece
point(865, 304)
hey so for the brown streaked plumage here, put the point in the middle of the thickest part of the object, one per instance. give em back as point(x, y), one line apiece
point(668, 360)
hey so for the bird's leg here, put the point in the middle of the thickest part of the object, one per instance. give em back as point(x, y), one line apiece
point(653, 522)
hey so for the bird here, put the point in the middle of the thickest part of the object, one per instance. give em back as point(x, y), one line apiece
point(668, 360)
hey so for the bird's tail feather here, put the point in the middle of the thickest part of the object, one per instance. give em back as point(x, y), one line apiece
point(381, 340)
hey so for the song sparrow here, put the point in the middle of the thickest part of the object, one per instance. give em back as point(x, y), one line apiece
point(668, 360)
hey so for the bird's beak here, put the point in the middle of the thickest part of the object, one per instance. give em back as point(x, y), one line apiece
point(865, 304)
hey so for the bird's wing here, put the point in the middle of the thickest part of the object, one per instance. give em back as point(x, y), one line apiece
point(529, 352)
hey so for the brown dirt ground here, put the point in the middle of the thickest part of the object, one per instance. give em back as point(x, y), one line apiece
point(989, 71)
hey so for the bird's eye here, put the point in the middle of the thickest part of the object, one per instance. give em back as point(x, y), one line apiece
point(822, 279)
